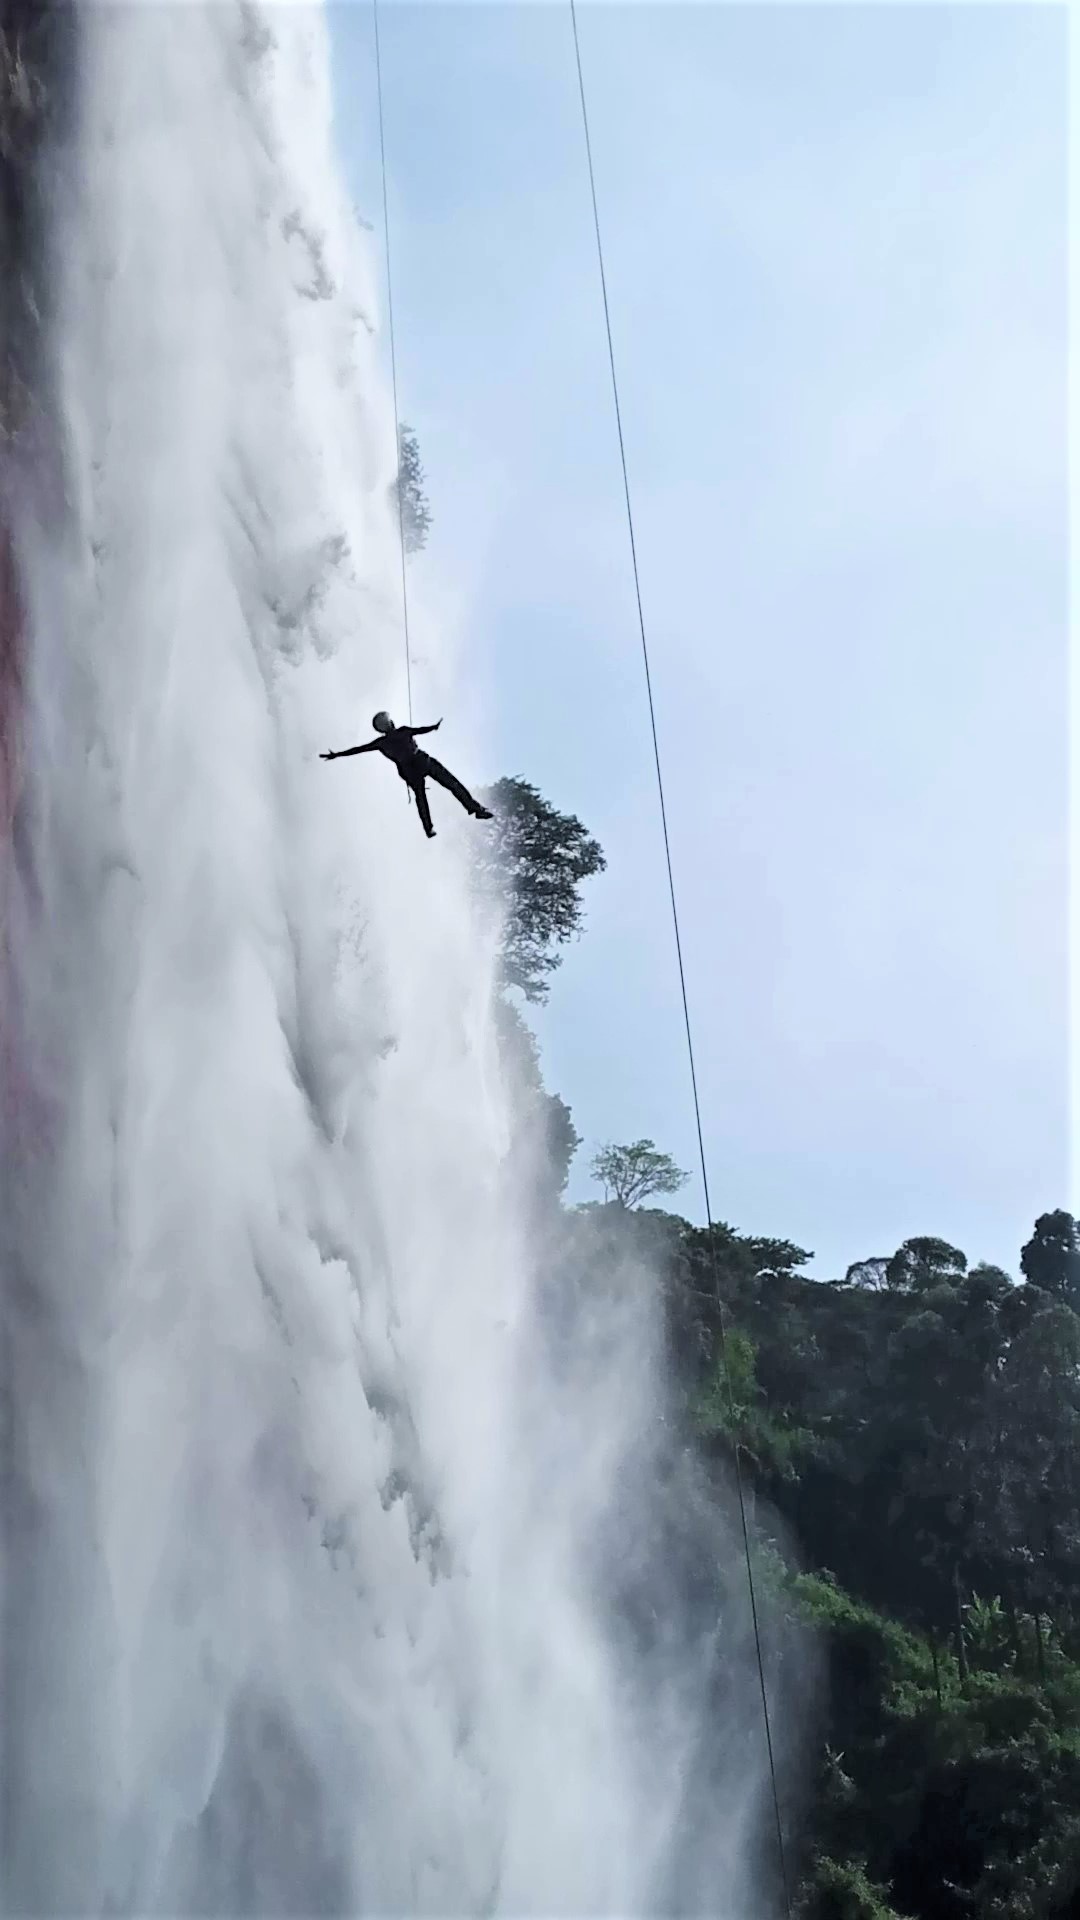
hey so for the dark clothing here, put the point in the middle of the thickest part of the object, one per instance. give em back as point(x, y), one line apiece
point(416, 767)
point(433, 769)
point(400, 747)
point(418, 789)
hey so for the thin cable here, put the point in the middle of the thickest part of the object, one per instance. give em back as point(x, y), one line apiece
point(393, 357)
point(682, 970)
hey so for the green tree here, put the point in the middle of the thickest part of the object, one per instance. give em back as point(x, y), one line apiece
point(545, 1138)
point(531, 866)
point(631, 1174)
point(872, 1273)
point(1038, 1468)
point(923, 1263)
point(1051, 1259)
point(732, 1408)
point(840, 1890)
point(407, 492)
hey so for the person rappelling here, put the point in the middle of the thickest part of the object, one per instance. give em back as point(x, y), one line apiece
point(415, 767)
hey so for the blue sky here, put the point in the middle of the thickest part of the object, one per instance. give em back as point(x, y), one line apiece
point(836, 245)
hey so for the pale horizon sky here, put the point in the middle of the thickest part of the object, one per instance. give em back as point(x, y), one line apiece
point(836, 243)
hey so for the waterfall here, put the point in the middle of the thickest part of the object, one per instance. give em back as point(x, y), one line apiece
point(305, 1608)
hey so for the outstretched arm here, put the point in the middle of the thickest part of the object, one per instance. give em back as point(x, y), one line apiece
point(434, 728)
point(343, 753)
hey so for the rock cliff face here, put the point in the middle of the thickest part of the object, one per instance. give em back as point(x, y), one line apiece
point(36, 68)
point(36, 96)
point(24, 37)
point(35, 93)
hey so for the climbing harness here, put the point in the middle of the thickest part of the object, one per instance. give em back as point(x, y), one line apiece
point(393, 357)
point(781, 1850)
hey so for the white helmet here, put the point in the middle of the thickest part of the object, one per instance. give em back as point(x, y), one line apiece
point(382, 723)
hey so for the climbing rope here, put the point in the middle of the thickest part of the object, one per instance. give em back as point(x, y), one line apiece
point(781, 1850)
point(393, 357)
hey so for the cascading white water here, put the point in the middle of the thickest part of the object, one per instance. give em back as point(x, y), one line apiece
point(302, 1605)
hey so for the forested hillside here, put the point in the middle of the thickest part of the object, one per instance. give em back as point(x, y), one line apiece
point(909, 1441)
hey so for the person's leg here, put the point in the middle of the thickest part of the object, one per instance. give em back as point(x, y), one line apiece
point(436, 771)
point(419, 793)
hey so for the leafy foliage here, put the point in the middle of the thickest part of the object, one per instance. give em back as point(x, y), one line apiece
point(1051, 1259)
point(917, 1426)
point(632, 1174)
point(840, 1890)
point(531, 867)
point(731, 1406)
point(545, 1138)
point(409, 497)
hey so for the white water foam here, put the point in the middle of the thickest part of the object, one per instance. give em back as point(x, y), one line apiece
point(302, 1603)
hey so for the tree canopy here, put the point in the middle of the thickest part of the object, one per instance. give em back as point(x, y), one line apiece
point(916, 1426)
point(408, 492)
point(531, 866)
point(632, 1174)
